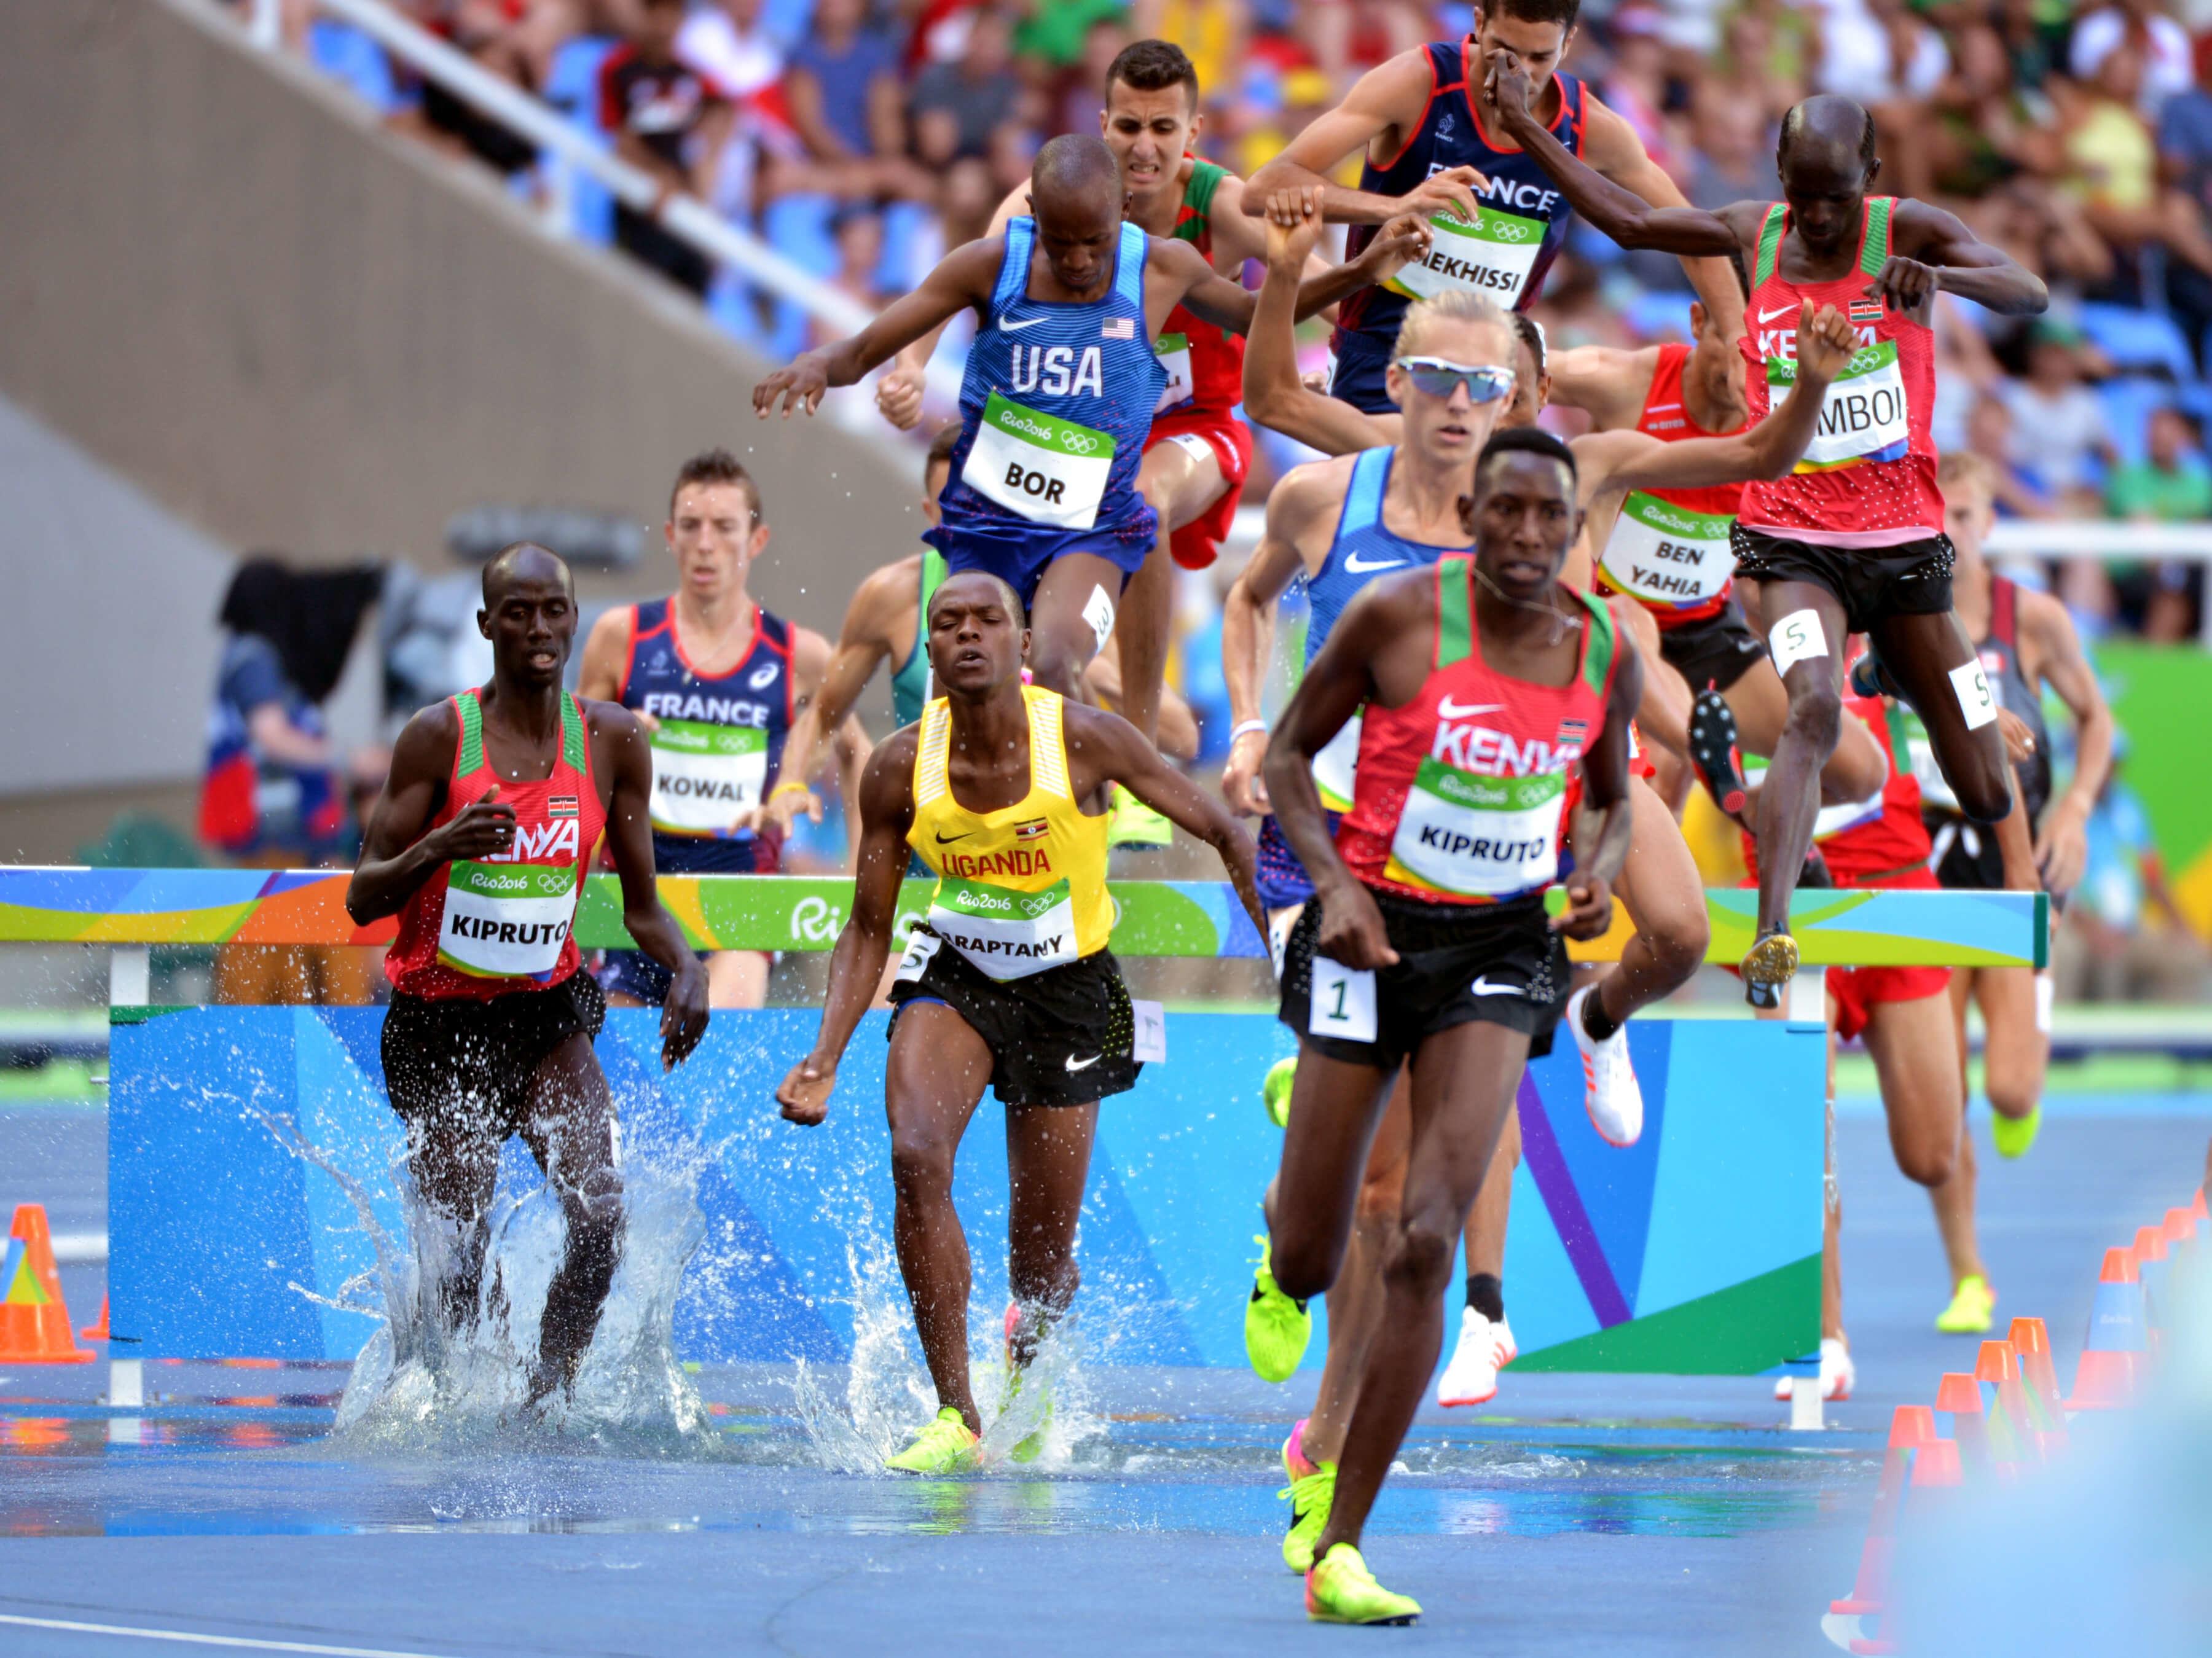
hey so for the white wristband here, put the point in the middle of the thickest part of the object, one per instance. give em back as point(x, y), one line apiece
point(1246, 727)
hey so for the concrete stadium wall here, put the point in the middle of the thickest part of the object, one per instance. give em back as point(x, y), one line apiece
point(299, 331)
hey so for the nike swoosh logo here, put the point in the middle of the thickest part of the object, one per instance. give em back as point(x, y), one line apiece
point(1085, 1064)
point(1006, 327)
point(1482, 986)
point(944, 840)
point(1765, 315)
point(1448, 709)
point(1353, 564)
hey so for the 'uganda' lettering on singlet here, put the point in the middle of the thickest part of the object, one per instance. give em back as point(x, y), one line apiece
point(1018, 890)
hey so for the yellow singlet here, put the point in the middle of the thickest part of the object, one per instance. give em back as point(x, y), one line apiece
point(1023, 888)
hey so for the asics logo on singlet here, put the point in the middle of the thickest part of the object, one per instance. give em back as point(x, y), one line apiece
point(1355, 565)
point(765, 675)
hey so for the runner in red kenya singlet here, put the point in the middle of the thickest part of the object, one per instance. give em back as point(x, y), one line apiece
point(479, 843)
point(1484, 686)
point(1853, 541)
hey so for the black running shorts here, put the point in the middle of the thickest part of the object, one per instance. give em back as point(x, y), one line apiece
point(1871, 583)
point(466, 1065)
point(1064, 1036)
point(1456, 963)
point(1714, 651)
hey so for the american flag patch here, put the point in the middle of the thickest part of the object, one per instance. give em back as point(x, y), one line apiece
point(1031, 830)
point(560, 806)
point(1570, 730)
point(1118, 328)
point(1865, 311)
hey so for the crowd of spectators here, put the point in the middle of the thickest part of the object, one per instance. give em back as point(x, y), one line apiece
point(863, 138)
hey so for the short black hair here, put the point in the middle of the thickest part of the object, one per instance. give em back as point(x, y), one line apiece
point(716, 466)
point(1153, 66)
point(503, 564)
point(1527, 440)
point(1011, 599)
point(942, 445)
point(1074, 163)
point(1565, 13)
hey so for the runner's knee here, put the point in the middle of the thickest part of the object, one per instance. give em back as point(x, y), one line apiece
point(921, 1164)
point(1677, 946)
point(1056, 663)
point(1926, 1159)
point(1304, 1266)
point(1420, 1257)
point(1985, 797)
point(1816, 715)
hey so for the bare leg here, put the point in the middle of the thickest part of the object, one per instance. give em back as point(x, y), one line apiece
point(2017, 1051)
point(938, 1069)
point(737, 978)
point(1665, 898)
point(1921, 652)
point(1789, 799)
point(1953, 1199)
point(1181, 481)
point(1048, 1162)
point(1463, 1084)
point(1062, 638)
point(1761, 706)
point(1355, 1300)
point(1310, 1203)
point(1916, 1061)
point(570, 1131)
point(454, 1166)
point(1492, 1209)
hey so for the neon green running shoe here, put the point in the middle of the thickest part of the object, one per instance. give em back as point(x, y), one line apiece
point(1275, 1090)
point(1310, 1496)
point(1339, 1589)
point(1276, 1327)
point(945, 1446)
point(1131, 823)
point(1972, 1305)
point(2014, 1135)
point(1032, 1444)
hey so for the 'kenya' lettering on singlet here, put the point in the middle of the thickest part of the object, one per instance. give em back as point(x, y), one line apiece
point(1669, 547)
point(2000, 655)
point(1056, 403)
point(1523, 219)
point(1204, 365)
point(1461, 791)
point(910, 684)
point(720, 740)
point(1867, 478)
point(1363, 549)
point(483, 927)
point(1018, 890)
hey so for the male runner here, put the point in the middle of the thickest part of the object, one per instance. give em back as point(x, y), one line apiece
point(1852, 542)
point(479, 844)
point(1484, 685)
point(715, 680)
point(2027, 641)
point(884, 624)
point(1059, 392)
point(1430, 144)
point(1008, 979)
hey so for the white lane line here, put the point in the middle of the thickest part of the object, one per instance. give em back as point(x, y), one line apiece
point(186, 1638)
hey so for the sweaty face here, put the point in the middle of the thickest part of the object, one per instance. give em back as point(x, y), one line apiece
point(1538, 46)
point(1078, 234)
point(712, 533)
point(1826, 188)
point(1524, 520)
point(976, 643)
point(1455, 426)
point(530, 620)
point(1148, 133)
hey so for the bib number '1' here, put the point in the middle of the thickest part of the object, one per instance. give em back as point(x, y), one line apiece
point(1038, 467)
point(1495, 255)
point(703, 775)
point(1343, 1001)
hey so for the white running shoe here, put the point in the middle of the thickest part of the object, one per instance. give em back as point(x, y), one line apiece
point(1484, 1349)
point(1838, 1376)
point(1611, 1093)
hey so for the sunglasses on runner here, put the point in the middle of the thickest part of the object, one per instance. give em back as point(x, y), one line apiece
point(1485, 382)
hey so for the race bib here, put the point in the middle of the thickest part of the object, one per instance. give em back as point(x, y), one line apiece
point(1149, 1045)
point(920, 948)
point(1495, 255)
point(1863, 418)
point(1334, 767)
point(506, 920)
point(1478, 837)
point(1006, 934)
point(703, 775)
point(1173, 352)
point(1038, 467)
point(1343, 1001)
point(1667, 557)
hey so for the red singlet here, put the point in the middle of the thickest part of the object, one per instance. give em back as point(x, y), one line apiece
point(1669, 547)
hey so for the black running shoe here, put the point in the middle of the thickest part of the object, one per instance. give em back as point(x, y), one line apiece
point(1815, 873)
point(1714, 752)
point(1870, 678)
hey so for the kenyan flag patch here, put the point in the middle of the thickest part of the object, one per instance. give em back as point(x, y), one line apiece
point(1865, 311)
point(562, 805)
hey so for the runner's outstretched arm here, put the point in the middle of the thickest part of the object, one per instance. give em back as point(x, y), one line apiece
point(1381, 104)
point(1116, 751)
point(1620, 213)
point(1211, 297)
point(856, 966)
point(396, 855)
point(1604, 816)
point(1274, 396)
point(1295, 507)
point(1931, 249)
point(1768, 450)
point(630, 836)
point(2061, 848)
point(962, 279)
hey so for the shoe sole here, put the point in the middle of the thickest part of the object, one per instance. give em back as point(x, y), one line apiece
point(1714, 759)
point(1399, 1621)
point(1471, 1399)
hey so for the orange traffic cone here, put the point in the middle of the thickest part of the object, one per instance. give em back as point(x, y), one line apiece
point(98, 1332)
point(1959, 1398)
point(2115, 1359)
point(2012, 1416)
point(34, 1320)
point(2031, 1342)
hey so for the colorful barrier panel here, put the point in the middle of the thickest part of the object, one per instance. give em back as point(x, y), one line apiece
point(1696, 1250)
point(1854, 927)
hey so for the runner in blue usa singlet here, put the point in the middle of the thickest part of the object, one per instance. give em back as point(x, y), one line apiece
point(1056, 406)
point(1524, 219)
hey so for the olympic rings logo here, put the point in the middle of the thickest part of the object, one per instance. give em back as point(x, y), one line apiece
point(1078, 443)
point(1505, 232)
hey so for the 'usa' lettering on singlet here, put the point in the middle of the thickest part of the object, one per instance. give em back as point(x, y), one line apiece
point(1056, 371)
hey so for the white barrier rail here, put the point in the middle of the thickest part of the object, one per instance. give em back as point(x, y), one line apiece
point(567, 149)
